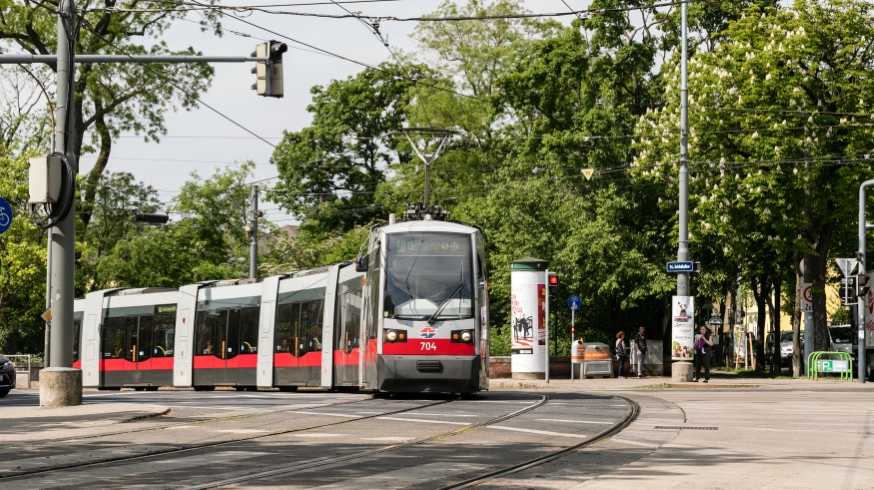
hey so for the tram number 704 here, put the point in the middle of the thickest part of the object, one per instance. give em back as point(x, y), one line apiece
point(429, 345)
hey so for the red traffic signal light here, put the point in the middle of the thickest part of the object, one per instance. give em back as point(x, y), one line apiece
point(863, 284)
point(552, 281)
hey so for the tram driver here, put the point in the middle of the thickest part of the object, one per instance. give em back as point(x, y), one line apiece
point(208, 349)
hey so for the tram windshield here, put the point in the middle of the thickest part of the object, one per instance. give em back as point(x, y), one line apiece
point(429, 276)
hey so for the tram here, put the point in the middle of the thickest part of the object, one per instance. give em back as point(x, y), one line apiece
point(411, 315)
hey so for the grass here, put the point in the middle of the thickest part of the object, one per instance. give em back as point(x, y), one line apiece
point(751, 373)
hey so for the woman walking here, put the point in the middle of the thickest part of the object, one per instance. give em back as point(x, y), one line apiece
point(621, 353)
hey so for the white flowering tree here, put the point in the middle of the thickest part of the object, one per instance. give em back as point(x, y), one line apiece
point(780, 117)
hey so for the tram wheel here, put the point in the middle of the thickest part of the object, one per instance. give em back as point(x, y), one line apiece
point(240, 388)
point(288, 389)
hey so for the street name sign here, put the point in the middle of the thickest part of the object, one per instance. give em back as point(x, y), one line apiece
point(681, 266)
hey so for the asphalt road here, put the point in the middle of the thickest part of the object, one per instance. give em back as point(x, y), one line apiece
point(247, 433)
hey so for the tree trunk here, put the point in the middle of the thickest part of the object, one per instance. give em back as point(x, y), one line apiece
point(760, 292)
point(775, 323)
point(796, 320)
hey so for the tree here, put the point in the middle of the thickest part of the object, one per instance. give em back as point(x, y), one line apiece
point(111, 98)
point(330, 170)
point(22, 261)
point(777, 139)
point(117, 197)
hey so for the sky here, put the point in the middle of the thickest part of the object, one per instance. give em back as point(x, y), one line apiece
point(202, 141)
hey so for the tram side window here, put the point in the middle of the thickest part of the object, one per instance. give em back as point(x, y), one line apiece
point(299, 327)
point(249, 330)
point(373, 281)
point(113, 337)
point(204, 340)
point(350, 320)
point(164, 335)
point(284, 326)
point(311, 329)
point(77, 328)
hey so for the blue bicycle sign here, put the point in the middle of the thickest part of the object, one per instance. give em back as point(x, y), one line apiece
point(574, 302)
point(5, 215)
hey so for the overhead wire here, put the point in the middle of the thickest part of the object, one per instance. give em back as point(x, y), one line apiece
point(171, 82)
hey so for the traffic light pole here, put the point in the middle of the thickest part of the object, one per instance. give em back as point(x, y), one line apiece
point(49, 59)
point(253, 235)
point(861, 351)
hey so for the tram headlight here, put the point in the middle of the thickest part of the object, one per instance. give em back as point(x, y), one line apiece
point(462, 336)
point(395, 335)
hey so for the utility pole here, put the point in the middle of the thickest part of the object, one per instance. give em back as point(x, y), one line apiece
point(61, 385)
point(683, 250)
point(681, 371)
point(253, 234)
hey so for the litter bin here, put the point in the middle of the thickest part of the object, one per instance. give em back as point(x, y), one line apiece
point(578, 351)
point(596, 360)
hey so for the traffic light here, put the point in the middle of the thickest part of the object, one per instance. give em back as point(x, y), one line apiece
point(268, 73)
point(552, 280)
point(863, 286)
point(154, 218)
point(847, 291)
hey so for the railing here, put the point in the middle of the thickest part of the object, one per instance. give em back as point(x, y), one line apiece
point(813, 366)
point(17, 372)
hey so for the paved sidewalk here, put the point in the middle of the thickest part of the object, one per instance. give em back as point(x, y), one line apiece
point(720, 381)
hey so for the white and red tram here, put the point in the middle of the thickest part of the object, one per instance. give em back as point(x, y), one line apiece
point(411, 315)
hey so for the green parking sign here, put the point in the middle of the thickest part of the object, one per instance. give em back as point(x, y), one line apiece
point(833, 366)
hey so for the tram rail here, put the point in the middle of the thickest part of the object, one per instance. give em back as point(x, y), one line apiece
point(552, 456)
point(544, 399)
point(14, 475)
point(53, 442)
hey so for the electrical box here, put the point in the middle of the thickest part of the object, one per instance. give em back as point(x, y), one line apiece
point(45, 179)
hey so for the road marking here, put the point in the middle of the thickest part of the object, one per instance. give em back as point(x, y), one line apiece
point(575, 421)
point(318, 434)
point(424, 421)
point(348, 415)
point(633, 443)
point(388, 439)
point(240, 431)
point(446, 414)
point(412, 476)
point(182, 427)
point(543, 432)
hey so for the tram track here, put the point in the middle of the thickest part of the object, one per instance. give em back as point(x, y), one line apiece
point(544, 399)
point(23, 474)
point(53, 442)
point(560, 453)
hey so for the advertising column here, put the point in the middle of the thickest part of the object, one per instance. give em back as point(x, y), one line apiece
point(683, 328)
point(528, 317)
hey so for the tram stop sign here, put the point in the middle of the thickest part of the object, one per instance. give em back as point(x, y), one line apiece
point(5, 215)
point(574, 302)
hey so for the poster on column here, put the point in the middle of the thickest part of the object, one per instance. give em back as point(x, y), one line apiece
point(682, 327)
point(525, 307)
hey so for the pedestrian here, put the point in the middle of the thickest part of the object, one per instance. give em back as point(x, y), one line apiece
point(640, 347)
point(703, 351)
point(621, 353)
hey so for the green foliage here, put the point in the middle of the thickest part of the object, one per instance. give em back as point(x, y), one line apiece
point(330, 170)
point(313, 247)
point(22, 260)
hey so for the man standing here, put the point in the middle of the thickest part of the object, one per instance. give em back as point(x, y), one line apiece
point(640, 347)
